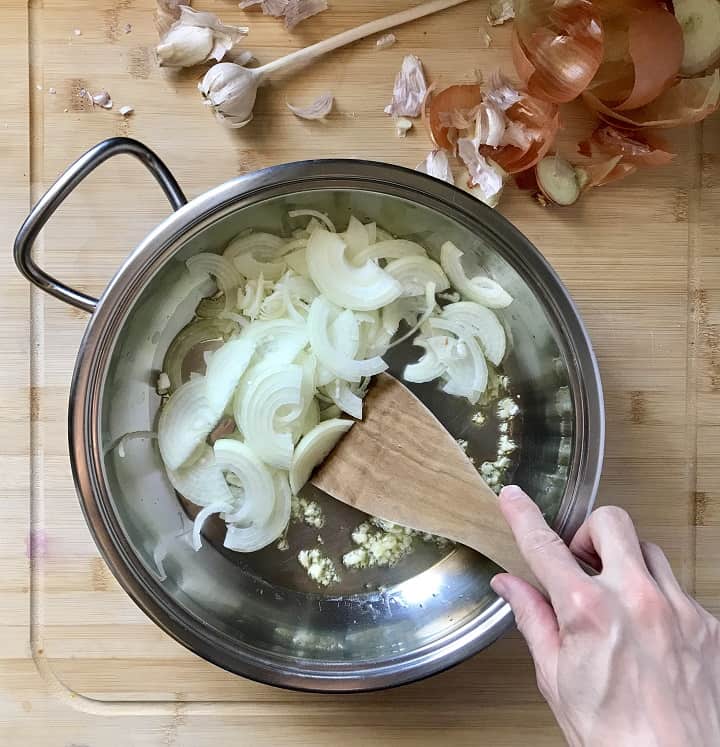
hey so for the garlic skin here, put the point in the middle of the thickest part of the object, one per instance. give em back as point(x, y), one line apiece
point(231, 90)
point(197, 37)
point(318, 109)
point(436, 164)
point(410, 89)
point(485, 179)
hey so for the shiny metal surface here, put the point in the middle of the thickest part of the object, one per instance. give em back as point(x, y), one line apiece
point(257, 614)
point(54, 197)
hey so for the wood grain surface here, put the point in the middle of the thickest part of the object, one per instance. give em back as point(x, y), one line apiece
point(400, 442)
point(79, 664)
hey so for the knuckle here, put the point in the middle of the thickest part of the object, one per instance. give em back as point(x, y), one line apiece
point(646, 602)
point(540, 539)
point(612, 515)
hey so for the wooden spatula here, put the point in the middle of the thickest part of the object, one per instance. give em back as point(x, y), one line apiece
point(400, 464)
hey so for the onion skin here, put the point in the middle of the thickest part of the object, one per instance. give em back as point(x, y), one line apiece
point(689, 100)
point(563, 42)
point(460, 97)
point(537, 115)
point(639, 148)
point(655, 42)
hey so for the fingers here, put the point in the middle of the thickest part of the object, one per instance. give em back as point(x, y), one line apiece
point(546, 554)
point(608, 539)
point(661, 570)
point(535, 619)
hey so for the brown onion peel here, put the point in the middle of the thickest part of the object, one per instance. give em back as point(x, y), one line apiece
point(458, 98)
point(563, 42)
point(689, 100)
point(639, 148)
point(655, 45)
point(542, 120)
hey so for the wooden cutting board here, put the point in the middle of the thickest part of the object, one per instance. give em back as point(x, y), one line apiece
point(79, 664)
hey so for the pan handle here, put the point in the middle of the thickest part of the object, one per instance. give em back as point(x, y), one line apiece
point(54, 197)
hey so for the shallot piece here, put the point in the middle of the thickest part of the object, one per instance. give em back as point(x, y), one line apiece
point(297, 11)
point(167, 12)
point(639, 148)
point(385, 41)
point(500, 11)
point(410, 89)
point(318, 109)
point(689, 100)
point(562, 42)
point(437, 164)
point(197, 37)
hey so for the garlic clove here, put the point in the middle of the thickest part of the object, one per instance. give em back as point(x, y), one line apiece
point(410, 89)
point(102, 98)
point(318, 109)
point(197, 37)
point(230, 90)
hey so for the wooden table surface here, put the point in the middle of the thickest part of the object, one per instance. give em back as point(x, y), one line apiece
point(79, 664)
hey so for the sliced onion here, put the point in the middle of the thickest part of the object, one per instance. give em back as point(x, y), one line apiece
point(258, 498)
point(264, 391)
point(201, 482)
point(277, 340)
point(642, 149)
point(481, 323)
point(429, 308)
point(185, 421)
point(356, 237)
point(455, 98)
point(361, 288)
point(563, 42)
point(415, 272)
point(314, 214)
point(196, 334)
point(313, 448)
point(226, 276)
point(203, 515)
point(255, 536)
point(261, 246)
point(392, 249)
point(248, 266)
point(342, 366)
point(482, 290)
point(433, 363)
point(466, 375)
point(689, 100)
point(343, 396)
point(225, 368)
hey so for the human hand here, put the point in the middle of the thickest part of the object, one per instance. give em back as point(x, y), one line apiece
point(624, 657)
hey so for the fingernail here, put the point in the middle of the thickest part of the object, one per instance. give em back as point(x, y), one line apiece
point(497, 584)
point(512, 493)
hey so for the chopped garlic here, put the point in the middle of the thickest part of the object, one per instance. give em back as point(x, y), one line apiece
point(283, 544)
point(385, 41)
point(163, 383)
point(402, 126)
point(309, 512)
point(500, 11)
point(478, 418)
point(318, 566)
point(507, 408)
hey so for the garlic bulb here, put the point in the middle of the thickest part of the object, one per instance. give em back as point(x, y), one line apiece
point(195, 38)
point(230, 90)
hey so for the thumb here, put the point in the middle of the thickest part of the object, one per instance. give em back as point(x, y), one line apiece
point(535, 619)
